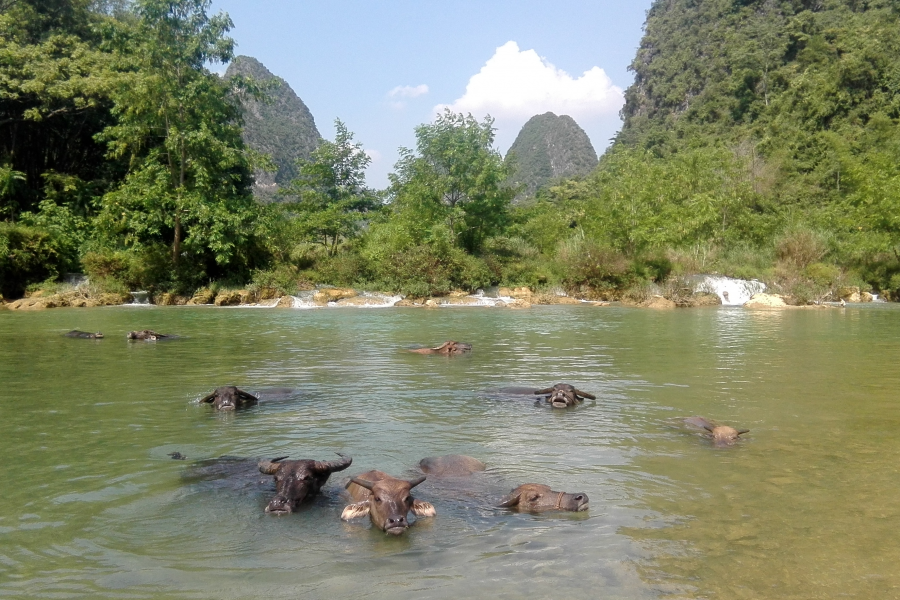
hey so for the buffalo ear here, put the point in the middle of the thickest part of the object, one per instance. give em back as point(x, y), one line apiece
point(413, 483)
point(246, 396)
point(549, 390)
point(585, 395)
point(740, 431)
point(352, 511)
point(362, 483)
point(509, 501)
point(423, 509)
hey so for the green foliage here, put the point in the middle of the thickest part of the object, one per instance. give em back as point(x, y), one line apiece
point(188, 184)
point(27, 255)
point(456, 178)
point(330, 194)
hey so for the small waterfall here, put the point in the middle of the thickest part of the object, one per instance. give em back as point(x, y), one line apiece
point(141, 298)
point(732, 292)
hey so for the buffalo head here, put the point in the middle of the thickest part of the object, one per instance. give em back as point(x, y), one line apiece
point(296, 480)
point(563, 395)
point(723, 435)
point(534, 497)
point(228, 397)
point(448, 348)
point(386, 500)
point(145, 334)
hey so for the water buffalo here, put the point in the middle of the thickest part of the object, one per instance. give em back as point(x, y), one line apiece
point(534, 497)
point(563, 395)
point(451, 465)
point(386, 500)
point(228, 397)
point(721, 435)
point(449, 347)
point(84, 335)
point(146, 334)
point(296, 480)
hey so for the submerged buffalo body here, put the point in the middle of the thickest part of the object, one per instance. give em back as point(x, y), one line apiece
point(146, 334)
point(228, 397)
point(535, 497)
point(721, 435)
point(451, 465)
point(563, 395)
point(387, 501)
point(84, 335)
point(446, 348)
point(296, 480)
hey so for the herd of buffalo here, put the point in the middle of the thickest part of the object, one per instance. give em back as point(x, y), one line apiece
point(388, 500)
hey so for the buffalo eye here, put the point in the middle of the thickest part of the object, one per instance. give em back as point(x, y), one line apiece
point(409, 500)
point(377, 498)
point(535, 498)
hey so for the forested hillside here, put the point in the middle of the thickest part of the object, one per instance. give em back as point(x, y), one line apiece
point(279, 126)
point(550, 147)
point(760, 140)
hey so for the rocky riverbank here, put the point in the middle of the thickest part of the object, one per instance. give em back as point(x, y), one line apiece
point(513, 298)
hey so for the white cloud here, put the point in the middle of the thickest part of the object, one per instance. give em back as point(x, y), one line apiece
point(400, 94)
point(374, 155)
point(408, 91)
point(515, 85)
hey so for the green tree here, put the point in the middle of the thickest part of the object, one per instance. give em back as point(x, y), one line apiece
point(179, 127)
point(455, 176)
point(331, 193)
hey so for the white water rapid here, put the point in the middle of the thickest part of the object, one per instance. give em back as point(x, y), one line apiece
point(732, 292)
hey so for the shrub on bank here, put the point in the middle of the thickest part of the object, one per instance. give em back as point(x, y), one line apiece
point(27, 255)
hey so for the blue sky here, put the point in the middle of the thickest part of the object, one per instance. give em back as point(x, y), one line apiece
point(385, 67)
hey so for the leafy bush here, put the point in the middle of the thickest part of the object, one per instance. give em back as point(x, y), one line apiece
point(27, 255)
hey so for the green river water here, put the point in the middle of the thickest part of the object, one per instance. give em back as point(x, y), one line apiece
point(805, 506)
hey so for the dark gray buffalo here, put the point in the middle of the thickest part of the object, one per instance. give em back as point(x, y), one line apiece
point(84, 335)
point(722, 436)
point(447, 348)
point(563, 395)
point(535, 497)
point(228, 397)
point(296, 480)
point(387, 500)
point(146, 335)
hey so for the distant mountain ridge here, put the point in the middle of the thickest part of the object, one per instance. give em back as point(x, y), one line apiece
point(550, 147)
point(284, 128)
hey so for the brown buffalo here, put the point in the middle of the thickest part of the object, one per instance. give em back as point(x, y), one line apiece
point(228, 397)
point(84, 335)
point(146, 334)
point(721, 435)
point(534, 497)
point(451, 465)
point(386, 500)
point(450, 347)
point(563, 395)
point(296, 480)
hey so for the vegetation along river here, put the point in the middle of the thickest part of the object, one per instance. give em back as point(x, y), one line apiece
point(804, 506)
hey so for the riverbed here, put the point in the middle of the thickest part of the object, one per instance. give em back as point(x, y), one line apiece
point(803, 506)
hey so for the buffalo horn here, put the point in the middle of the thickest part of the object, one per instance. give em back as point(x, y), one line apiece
point(270, 466)
point(547, 391)
point(740, 431)
point(585, 395)
point(333, 465)
point(208, 399)
point(416, 481)
point(362, 482)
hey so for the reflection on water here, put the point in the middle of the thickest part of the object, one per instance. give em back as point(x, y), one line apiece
point(803, 506)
